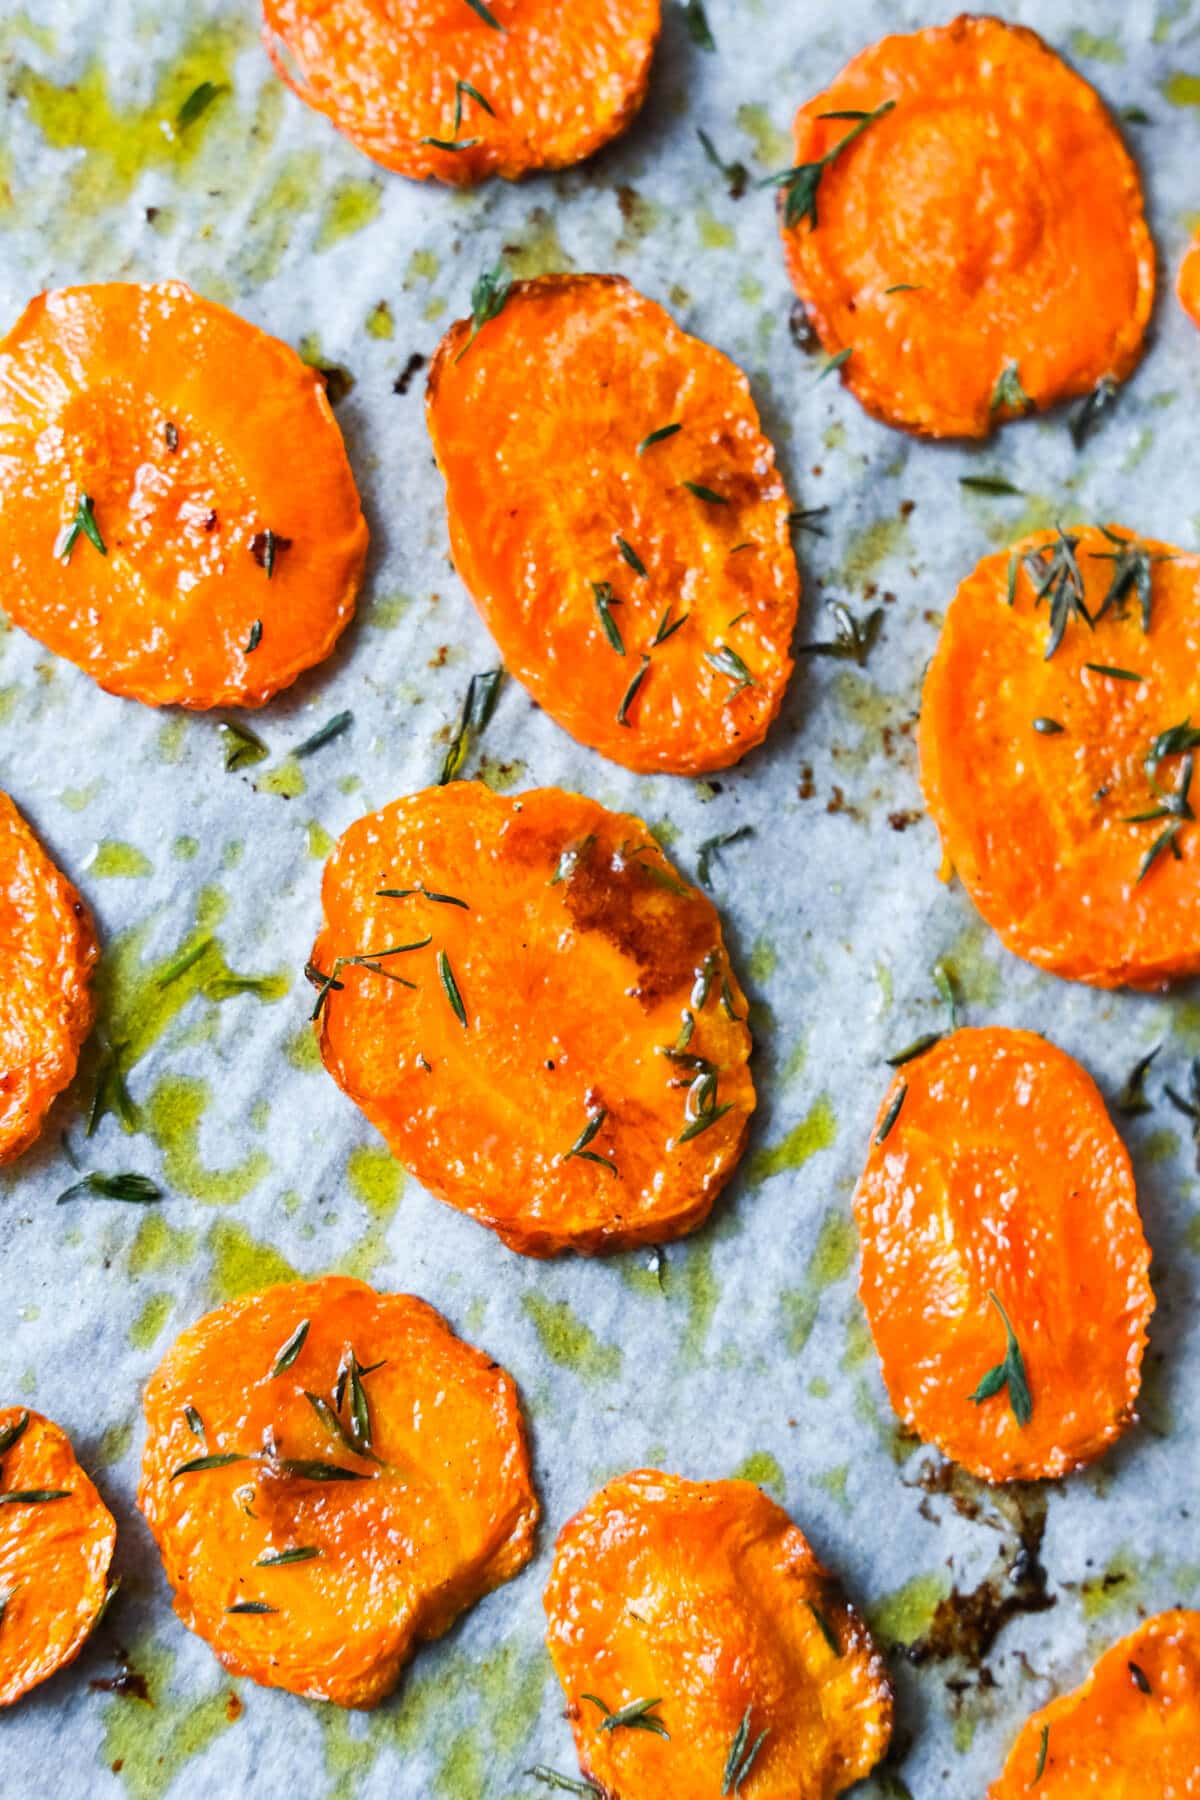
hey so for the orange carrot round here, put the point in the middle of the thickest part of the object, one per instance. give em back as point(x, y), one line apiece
point(177, 514)
point(966, 229)
point(460, 90)
point(538, 1014)
point(619, 519)
point(46, 1004)
point(1189, 281)
point(56, 1544)
point(332, 1477)
point(1056, 739)
point(1130, 1732)
point(704, 1650)
point(1004, 1271)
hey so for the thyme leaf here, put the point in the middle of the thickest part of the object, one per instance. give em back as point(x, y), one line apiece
point(946, 983)
point(1040, 1765)
point(255, 638)
point(333, 728)
point(1132, 1099)
point(483, 12)
point(570, 858)
point(251, 1606)
point(1048, 727)
point(989, 484)
point(698, 29)
point(197, 102)
point(564, 1783)
point(605, 601)
point(636, 1715)
point(1008, 395)
point(801, 184)
point(1191, 1106)
point(630, 693)
point(742, 1754)
point(1141, 1680)
point(1133, 565)
point(243, 747)
point(33, 1496)
point(1116, 674)
point(425, 894)
point(910, 1052)
point(726, 661)
point(804, 518)
point(1088, 414)
point(195, 1423)
point(451, 987)
point(1054, 570)
point(275, 1559)
point(705, 493)
point(892, 1113)
point(580, 1149)
point(221, 1459)
point(11, 1433)
point(667, 627)
point(303, 1470)
point(483, 691)
point(1008, 1374)
point(711, 846)
point(266, 547)
point(631, 556)
point(826, 1629)
point(702, 1122)
point(84, 522)
point(1167, 839)
point(291, 1350)
point(736, 174)
point(836, 362)
point(853, 638)
point(139, 1190)
point(657, 437)
point(489, 296)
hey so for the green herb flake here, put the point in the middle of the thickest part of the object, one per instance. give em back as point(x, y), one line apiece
point(667, 627)
point(707, 494)
point(483, 691)
point(989, 484)
point(243, 747)
point(1116, 674)
point(266, 547)
point(605, 601)
point(631, 556)
point(195, 1423)
point(1054, 570)
point(333, 728)
point(910, 1052)
point(1141, 1680)
point(33, 1496)
point(805, 518)
point(276, 1559)
point(1008, 395)
point(836, 362)
point(1043, 1747)
point(713, 845)
point(579, 1148)
point(630, 694)
point(138, 1190)
point(801, 184)
point(698, 29)
point(302, 1470)
point(1132, 1099)
point(892, 1113)
point(255, 638)
point(82, 524)
point(221, 1459)
point(636, 1715)
point(490, 294)
point(742, 1754)
point(197, 102)
point(564, 1784)
point(570, 859)
point(291, 1350)
point(1008, 1374)
point(726, 661)
point(825, 1628)
point(658, 437)
point(451, 987)
point(251, 1606)
point(853, 638)
point(1048, 727)
point(11, 1433)
point(1091, 410)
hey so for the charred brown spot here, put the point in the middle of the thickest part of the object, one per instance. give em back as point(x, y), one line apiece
point(403, 381)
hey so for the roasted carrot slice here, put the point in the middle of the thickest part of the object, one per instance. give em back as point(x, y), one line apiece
point(1056, 738)
point(177, 515)
point(46, 1004)
point(1004, 1270)
point(1131, 1732)
point(459, 90)
point(965, 228)
point(56, 1544)
point(332, 1477)
point(1189, 281)
point(537, 1013)
point(618, 517)
point(704, 1650)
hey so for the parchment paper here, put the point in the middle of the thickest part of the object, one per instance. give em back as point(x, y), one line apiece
point(751, 1354)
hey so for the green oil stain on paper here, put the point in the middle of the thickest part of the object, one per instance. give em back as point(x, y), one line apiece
point(831, 1261)
point(153, 1314)
point(350, 206)
point(174, 1112)
point(772, 147)
point(1181, 89)
point(870, 546)
point(1105, 49)
point(1115, 1586)
point(149, 1745)
point(816, 1131)
point(115, 861)
point(570, 1343)
point(159, 1245)
point(764, 1471)
point(376, 1180)
point(974, 973)
point(241, 1264)
point(906, 1614)
point(701, 1294)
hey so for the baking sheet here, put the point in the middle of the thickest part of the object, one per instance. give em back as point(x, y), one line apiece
point(746, 1351)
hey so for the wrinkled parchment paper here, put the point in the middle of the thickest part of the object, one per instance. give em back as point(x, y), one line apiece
point(749, 1354)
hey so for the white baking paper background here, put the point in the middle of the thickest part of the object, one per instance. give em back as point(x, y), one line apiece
point(751, 1355)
